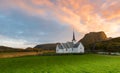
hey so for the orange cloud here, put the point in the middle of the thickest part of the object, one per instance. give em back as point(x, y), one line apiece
point(83, 15)
point(111, 9)
point(29, 8)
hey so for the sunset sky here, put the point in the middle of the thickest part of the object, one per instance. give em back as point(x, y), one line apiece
point(26, 23)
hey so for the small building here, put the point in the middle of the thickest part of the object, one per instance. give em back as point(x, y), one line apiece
point(70, 47)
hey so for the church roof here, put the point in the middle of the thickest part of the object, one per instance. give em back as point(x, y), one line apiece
point(68, 45)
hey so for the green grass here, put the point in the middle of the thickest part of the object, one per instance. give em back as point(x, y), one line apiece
point(88, 63)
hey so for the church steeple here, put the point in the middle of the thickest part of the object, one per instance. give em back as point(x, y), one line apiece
point(73, 40)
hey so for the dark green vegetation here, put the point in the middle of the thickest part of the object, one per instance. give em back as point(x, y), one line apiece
point(112, 45)
point(89, 63)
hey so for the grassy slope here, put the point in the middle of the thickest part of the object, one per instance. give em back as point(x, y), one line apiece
point(61, 64)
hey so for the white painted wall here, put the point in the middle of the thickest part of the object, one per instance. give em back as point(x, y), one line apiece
point(79, 49)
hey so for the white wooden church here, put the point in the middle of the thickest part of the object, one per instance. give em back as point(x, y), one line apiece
point(70, 47)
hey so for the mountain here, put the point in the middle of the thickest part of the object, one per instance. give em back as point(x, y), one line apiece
point(93, 37)
point(98, 42)
point(9, 49)
point(51, 46)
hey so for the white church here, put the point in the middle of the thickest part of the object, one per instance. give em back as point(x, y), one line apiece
point(70, 47)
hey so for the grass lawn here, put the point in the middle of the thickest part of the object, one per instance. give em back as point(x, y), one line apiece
point(88, 63)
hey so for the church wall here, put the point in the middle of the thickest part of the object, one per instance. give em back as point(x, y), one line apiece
point(79, 49)
point(82, 48)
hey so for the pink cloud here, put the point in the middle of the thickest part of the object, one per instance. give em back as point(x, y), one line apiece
point(83, 15)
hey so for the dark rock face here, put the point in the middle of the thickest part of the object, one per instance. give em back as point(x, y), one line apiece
point(93, 37)
point(46, 46)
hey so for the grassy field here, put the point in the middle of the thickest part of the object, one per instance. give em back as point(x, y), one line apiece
point(88, 63)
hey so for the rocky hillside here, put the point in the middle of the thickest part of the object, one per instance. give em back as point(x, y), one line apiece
point(98, 41)
point(93, 37)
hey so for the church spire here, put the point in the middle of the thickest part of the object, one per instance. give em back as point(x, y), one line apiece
point(73, 37)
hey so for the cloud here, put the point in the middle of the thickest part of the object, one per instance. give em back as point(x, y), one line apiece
point(16, 43)
point(111, 9)
point(86, 16)
point(50, 17)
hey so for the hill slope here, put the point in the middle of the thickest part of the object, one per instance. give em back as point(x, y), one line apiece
point(51, 46)
point(93, 37)
point(112, 45)
point(9, 49)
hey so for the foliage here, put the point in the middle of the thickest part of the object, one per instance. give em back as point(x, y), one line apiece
point(112, 45)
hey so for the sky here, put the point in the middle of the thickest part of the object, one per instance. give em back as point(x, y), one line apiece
point(26, 23)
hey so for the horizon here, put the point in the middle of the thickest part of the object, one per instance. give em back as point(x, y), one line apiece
point(26, 23)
